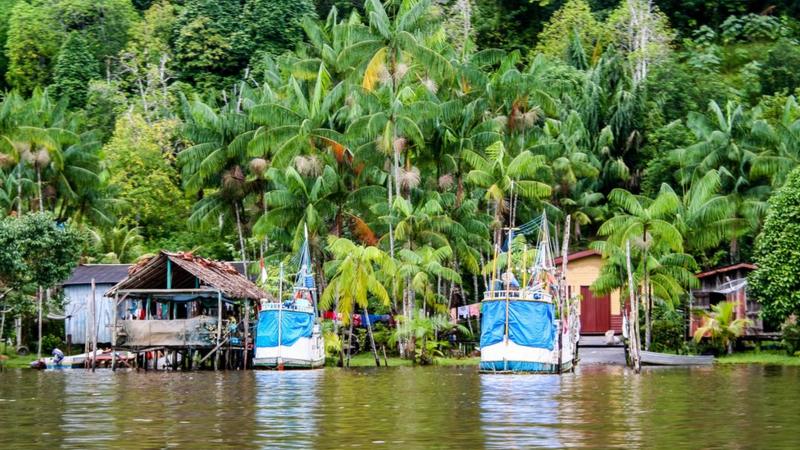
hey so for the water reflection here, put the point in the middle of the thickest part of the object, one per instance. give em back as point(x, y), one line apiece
point(433, 407)
point(521, 411)
point(286, 405)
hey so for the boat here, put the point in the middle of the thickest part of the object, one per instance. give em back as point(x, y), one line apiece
point(528, 327)
point(84, 360)
point(668, 359)
point(288, 334)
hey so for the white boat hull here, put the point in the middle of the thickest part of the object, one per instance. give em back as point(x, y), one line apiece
point(306, 353)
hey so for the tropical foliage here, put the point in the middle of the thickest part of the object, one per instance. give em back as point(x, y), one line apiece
point(404, 135)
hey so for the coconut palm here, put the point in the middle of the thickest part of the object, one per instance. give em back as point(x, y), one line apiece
point(217, 160)
point(300, 202)
point(646, 223)
point(118, 244)
point(300, 123)
point(726, 144)
point(781, 144)
point(503, 176)
point(354, 278)
point(722, 326)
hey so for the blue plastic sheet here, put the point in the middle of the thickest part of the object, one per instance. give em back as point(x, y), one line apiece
point(493, 323)
point(529, 323)
point(294, 325)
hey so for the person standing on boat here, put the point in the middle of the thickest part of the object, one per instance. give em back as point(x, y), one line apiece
point(58, 356)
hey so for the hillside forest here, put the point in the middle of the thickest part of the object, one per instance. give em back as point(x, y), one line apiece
point(402, 135)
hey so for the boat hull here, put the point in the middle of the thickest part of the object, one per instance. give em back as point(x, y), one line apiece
point(306, 353)
point(509, 357)
point(666, 359)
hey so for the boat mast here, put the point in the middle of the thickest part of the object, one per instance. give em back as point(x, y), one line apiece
point(508, 263)
point(280, 314)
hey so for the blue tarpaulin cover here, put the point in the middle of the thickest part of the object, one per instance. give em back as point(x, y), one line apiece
point(294, 325)
point(529, 323)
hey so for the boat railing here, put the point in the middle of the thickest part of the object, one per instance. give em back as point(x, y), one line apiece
point(518, 294)
point(274, 306)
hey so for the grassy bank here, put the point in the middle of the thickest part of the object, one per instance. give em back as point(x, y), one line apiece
point(15, 361)
point(764, 358)
point(367, 360)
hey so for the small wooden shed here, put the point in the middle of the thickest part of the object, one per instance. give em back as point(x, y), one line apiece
point(182, 303)
point(599, 313)
point(727, 283)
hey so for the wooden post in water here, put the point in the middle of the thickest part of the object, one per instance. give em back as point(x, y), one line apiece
point(633, 323)
point(246, 330)
point(94, 325)
point(562, 297)
point(219, 327)
point(114, 334)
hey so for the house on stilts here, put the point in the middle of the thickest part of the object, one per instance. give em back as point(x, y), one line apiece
point(178, 310)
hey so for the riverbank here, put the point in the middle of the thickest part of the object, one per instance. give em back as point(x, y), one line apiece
point(762, 358)
point(17, 361)
point(367, 360)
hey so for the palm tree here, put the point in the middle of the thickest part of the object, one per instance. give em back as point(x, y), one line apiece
point(118, 244)
point(725, 143)
point(645, 222)
point(216, 161)
point(703, 217)
point(297, 203)
point(355, 277)
point(781, 145)
point(394, 49)
point(423, 331)
point(502, 176)
point(722, 326)
point(299, 124)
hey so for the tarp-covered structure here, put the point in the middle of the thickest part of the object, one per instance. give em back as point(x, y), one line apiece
point(530, 323)
point(293, 326)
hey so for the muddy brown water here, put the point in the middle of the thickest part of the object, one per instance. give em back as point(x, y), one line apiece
point(433, 407)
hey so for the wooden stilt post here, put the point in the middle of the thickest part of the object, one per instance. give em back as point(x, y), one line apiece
point(114, 334)
point(219, 327)
point(94, 325)
point(246, 331)
point(562, 298)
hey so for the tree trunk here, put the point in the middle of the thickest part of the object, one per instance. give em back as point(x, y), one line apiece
point(39, 296)
point(372, 338)
point(39, 183)
point(350, 342)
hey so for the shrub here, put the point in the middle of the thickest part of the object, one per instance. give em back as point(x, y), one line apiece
point(790, 335)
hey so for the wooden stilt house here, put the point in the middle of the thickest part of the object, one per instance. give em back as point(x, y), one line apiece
point(180, 310)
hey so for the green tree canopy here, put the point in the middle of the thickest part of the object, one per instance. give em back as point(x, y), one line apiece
point(776, 282)
point(74, 69)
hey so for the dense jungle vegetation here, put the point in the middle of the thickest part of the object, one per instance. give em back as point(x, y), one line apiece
point(401, 134)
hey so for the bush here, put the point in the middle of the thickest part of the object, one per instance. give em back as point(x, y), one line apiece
point(49, 342)
point(790, 335)
point(668, 331)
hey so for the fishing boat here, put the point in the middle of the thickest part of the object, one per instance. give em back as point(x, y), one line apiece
point(528, 327)
point(84, 360)
point(288, 334)
point(667, 359)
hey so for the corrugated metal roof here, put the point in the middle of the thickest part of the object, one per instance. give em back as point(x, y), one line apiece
point(102, 274)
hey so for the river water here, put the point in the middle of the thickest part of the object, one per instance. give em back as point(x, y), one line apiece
point(434, 407)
